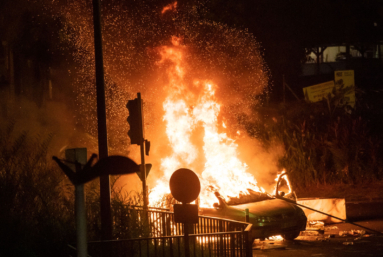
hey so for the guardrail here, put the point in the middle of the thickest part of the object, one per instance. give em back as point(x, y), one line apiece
point(163, 237)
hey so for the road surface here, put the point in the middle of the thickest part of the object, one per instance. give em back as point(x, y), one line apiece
point(336, 240)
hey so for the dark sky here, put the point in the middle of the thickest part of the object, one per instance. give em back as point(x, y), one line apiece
point(286, 28)
point(283, 27)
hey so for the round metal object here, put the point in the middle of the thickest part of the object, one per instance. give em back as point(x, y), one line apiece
point(184, 185)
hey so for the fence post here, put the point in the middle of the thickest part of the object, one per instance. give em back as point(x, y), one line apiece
point(221, 250)
point(232, 250)
point(164, 230)
point(248, 243)
point(170, 231)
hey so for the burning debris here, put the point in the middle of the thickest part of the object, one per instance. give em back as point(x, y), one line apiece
point(315, 225)
point(358, 233)
point(252, 196)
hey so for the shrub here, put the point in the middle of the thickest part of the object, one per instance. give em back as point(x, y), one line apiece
point(325, 142)
point(35, 217)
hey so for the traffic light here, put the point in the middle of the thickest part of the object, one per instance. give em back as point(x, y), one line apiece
point(147, 147)
point(135, 121)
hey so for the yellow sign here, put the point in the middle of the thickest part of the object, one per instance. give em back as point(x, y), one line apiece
point(343, 84)
point(344, 80)
point(318, 92)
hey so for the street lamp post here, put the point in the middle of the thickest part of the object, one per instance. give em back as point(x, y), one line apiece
point(106, 216)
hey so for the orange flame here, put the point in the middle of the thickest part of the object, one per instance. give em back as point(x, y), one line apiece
point(287, 182)
point(188, 111)
point(169, 7)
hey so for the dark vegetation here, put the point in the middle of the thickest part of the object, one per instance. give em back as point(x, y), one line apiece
point(325, 142)
point(36, 214)
point(37, 201)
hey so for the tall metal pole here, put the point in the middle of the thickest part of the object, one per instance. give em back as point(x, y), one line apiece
point(142, 148)
point(106, 217)
point(80, 219)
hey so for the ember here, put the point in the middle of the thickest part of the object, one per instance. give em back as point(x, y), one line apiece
point(195, 85)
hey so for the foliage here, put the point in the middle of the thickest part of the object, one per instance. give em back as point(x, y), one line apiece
point(35, 216)
point(126, 223)
point(37, 201)
point(326, 142)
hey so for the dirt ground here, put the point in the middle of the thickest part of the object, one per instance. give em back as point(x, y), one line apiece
point(367, 192)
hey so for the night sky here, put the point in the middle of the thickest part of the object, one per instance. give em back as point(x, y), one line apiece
point(284, 28)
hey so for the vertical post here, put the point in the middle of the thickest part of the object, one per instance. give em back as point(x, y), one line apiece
point(248, 244)
point(78, 156)
point(232, 246)
point(142, 148)
point(80, 220)
point(247, 218)
point(163, 227)
point(186, 239)
point(220, 242)
point(106, 217)
point(143, 170)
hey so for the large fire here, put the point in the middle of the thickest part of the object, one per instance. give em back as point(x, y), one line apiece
point(214, 76)
point(187, 111)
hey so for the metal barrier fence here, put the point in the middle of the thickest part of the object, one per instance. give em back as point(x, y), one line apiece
point(163, 237)
point(161, 223)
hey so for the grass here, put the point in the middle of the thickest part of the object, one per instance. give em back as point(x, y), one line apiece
point(325, 142)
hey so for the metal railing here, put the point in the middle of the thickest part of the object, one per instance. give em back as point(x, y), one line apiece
point(163, 237)
point(161, 223)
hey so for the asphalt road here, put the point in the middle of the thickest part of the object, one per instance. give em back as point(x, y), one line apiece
point(336, 240)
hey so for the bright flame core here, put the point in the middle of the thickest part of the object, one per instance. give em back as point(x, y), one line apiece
point(187, 111)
